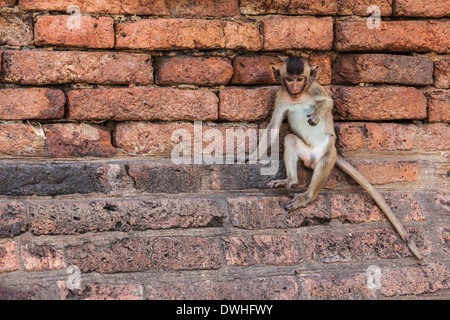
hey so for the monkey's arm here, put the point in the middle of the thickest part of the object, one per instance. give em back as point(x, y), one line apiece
point(323, 105)
point(272, 131)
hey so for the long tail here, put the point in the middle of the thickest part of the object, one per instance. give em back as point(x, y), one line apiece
point(352, 172)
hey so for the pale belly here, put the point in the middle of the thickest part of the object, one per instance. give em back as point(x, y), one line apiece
point(313, 136)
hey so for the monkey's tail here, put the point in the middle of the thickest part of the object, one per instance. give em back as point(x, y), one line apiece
point(352, 172)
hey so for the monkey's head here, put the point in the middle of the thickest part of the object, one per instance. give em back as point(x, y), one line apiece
point(295, 75)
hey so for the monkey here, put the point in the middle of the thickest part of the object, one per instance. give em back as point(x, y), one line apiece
point(308, 109)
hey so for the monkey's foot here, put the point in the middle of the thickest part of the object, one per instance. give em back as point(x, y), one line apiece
point(287, 183)
point(298, 201)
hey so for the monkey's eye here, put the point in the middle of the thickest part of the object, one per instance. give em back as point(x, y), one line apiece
point(289, 79)
point(300, 79)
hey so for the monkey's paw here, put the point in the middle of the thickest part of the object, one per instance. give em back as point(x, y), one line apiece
point(287, 183)
point(298, 201)
point(313, 119)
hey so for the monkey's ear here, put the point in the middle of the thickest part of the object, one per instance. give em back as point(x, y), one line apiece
point(313, 73)
point(276, 73)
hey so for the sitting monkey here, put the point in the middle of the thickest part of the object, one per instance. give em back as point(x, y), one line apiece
point(307, 107)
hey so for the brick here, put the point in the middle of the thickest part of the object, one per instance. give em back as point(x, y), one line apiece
point(19, 139)
point(238, 104)
point(257, 212)
point(422, 8)
point(361, 208)
point(273, 288)
point(7, 3)
point(13, 219)
point(375, 136)
point(387, 171)
point(261, 249)
point(59, 67)
point(304, 7)
point(167, 177)
point(378, 103)
point(396, 36)
point(180, 34)
point(282, 33)
point(9, 260)
point(100, 291)
point(41, 258)
point(323, 61)
point(156, 139)
point(51, 179)
point(382, 68)
point(19, 104)
point(415, 280)
point(439, 107)
point(444, 234)
point(434, 137)
point(359, 7)
point(64, 31)
point(200, 71)
point(16, 29)
point(255, 70)
point(142, 254)
point(164, 104)
point(78, 217)
point(336, 287)
point(67, 140)
point(442, 74)
point(183, 8)
point(16, 294)
point(340, 247)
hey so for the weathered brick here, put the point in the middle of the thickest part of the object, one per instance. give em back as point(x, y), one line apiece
point(415, 280)
point(16, 29)
point(9, 260)
point(238, 104)
point(422, 8)
point(67, 140)
point(159, 177)
point(375, 136)
point(183, 8)
point(305, 7)
point(16, 294)
point(442, 74)
point(64, 31)
point(39, 67)
point(261, 249)
point(156, 139)
point(360, 7)
point(273, 288)
point(439, 107)
point(355, 246)
point(41, 258)
point(19, 104)
point(336, 287)
point(382, 68)
point(282, 33)
point(444, 234)
point(187, 34)
point(361, 208)
point(13, 219)
point(378, 103)
point(255, 70)
point(434, 137)
point(387, 171)
point(397, 36)
point(100, 291)
point(164, 104)
point(200, 71)
point(19, 139)
point(7, 3)
point(141, 254)
point(323, 61)
point(268, 212)
point(50, 179)
point(76, 217)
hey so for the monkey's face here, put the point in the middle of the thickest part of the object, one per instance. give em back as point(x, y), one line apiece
point(294, 84)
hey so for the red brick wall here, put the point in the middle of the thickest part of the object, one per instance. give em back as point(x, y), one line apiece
point(88, 105)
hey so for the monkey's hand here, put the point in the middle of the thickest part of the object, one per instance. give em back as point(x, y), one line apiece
point(286, 183)
point(313, 119)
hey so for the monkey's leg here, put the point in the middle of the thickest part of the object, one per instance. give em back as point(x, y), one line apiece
point(294, 149)
point(320, 176)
